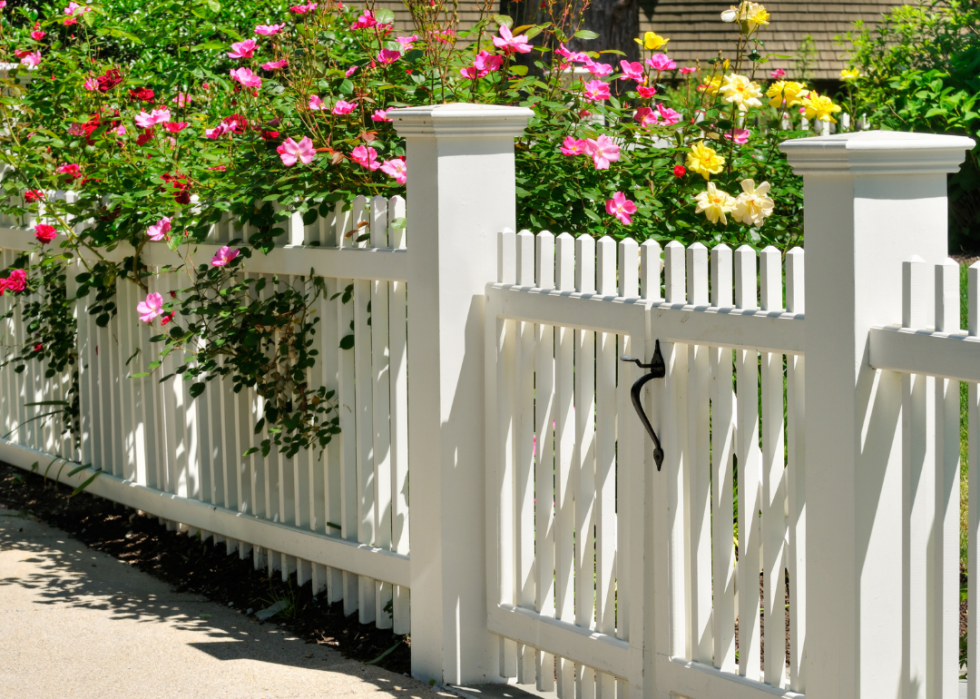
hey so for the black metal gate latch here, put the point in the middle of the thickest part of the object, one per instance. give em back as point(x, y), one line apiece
point(657, 370)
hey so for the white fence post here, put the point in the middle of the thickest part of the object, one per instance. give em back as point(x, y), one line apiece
point(460, 195)
point(873, 199)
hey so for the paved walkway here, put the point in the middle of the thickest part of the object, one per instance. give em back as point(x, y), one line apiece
point(77, 623)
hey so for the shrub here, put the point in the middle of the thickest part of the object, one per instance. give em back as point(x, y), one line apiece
point(919, 72)
point(162, 118)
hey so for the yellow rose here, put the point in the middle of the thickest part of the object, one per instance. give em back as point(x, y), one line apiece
point(741, 91)
point(704, 160)
point(849, 74)
point(784, 90)
point(714, 203)
point(820, 107)
point(711, 85)
point(654, 42)
point(753, 206)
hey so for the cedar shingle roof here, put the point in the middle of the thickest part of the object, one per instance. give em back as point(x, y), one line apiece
point(696, 31)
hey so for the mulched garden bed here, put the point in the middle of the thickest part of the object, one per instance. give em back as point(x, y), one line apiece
point(190, 565)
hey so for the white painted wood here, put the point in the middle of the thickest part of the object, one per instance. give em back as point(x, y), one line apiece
point(707, 326)
point(607, 653)
point(973, 484)
point(698, 473)
point(773, 480)
point(398, 379)
point(650, 268)
point(347, 262)
point(606, 360)
point(796, 478)
point(468, 148)
point(524, 505)
point(749, 475)
point(359, 558)
point(674, 276)
point(381, 412)
point(722, 443)
point(544, 462)
point(852, 432)
point(919, 456)
point(564, 450)
point(583, 461)
point(945, 600)
point(364, 401)
point(348, 418)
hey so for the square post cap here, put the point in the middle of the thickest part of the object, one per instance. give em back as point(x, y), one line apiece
point(877, 153)
point(460, 120)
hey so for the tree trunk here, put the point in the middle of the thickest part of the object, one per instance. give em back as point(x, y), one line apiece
point(617, 22)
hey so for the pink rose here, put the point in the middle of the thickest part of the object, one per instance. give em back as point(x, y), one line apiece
point(596, 91)
point(509, 44)
point(158, 231)
point(269, 29)
point(366, 157)
point(603, 151)
point(573, 146)
point(632, 71)
point(621, 207)
point(290, 151)
point(661, 62)
point(150, 308)
point(224, 255)
point(243, 49)
point(395, 168)
point(246, 77)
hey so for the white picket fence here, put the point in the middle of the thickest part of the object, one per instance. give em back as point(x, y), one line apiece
point(547, 548)
point(143, 432)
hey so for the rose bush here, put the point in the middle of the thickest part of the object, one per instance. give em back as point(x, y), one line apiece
point(163, 118)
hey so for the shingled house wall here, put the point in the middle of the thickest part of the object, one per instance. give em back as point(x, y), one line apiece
point(696, 31)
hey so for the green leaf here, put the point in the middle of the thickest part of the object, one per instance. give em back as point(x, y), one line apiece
point(384, 16)
point(208, 46)
point(518, 70)
point(197, 389)
point(347, 342)
point(585, 34)
point(399, 223)
point(86, 484)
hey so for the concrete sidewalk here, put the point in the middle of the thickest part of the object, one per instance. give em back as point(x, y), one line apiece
point(78, 623)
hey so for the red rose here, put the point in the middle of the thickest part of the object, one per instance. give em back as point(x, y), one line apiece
point(17, 281)
point(167, 318)
point(175, 126)
point(38, 347)
point(45, 233)
point(144, 137)
point(679, 171)
point(33, 195)
point(109, 80)
point(143, 94)
point(235, 123)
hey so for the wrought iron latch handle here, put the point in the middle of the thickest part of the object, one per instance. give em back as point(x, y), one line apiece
point(656, 370)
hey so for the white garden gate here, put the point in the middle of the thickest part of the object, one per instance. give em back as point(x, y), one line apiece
point(545, 546)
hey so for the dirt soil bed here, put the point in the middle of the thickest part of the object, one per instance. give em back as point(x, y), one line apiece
point(191, 565)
